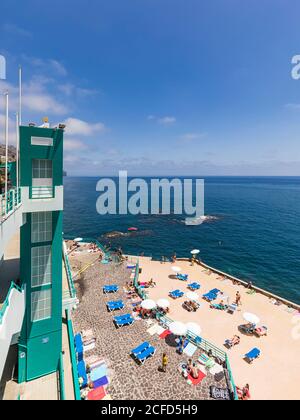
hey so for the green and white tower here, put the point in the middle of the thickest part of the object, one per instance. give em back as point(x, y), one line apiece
point(41, 181)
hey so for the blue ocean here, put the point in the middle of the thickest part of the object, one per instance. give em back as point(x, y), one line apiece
point(254, 232)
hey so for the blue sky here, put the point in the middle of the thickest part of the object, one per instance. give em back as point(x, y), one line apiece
point(160, 87)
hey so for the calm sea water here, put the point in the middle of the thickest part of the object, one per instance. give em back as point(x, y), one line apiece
point(256, 235)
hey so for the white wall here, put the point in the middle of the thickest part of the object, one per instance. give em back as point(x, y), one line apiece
point(8, 228)
point(11, 324)
point(49, 204)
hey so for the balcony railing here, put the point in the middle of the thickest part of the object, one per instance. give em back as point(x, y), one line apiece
point(7, 300)
point(40, 193)
point(9, 203)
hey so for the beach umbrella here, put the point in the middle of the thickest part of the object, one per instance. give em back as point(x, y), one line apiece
point(195, 251)
point(178, 328)
point(163, 303)
point(192, 296)
point(176, 269)
point(148, 304)
point(251, 318)
point(78, 240)
point(194, 328)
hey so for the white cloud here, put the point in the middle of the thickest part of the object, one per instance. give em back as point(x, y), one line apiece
point(72, 145)
point(13, 29)
point(189, 137)
point(76, 127)
point(294, 106)
point(43, 102)
point(47, 65)
point(167, 120)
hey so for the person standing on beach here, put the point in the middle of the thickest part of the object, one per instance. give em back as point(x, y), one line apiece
point(164, 362)
point(238, 298)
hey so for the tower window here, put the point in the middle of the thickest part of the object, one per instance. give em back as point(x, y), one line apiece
point(41, 266)
point(41, 305)
point(41, 227)
point(41, 168)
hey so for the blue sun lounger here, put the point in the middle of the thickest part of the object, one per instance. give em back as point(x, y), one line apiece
point(183, 277)
point(123, 320)
point(110, 289)
point(78, 343)
point(194, 286)
point(212, 295)
point(140, 348)
point(81, 369)
point(175, 294)
point(252, 355)
point(115, 305)
point(142, 357)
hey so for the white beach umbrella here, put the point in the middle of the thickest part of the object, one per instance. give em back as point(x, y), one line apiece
point(78, 239)
point(176, 269)
point(178, 328)
point(195, 251)
point(148, 304)
point(163, 303)
point(194, 328)
point(251, 318)
point(192, 296)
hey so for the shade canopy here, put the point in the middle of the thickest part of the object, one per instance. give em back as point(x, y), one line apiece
point(176, 269)
point(178, 328)
point(194, 328)
point(192, 296)
point(148, 304)
point(253, 319)
point(195, 251)
point(78, 239)
point(163, 303)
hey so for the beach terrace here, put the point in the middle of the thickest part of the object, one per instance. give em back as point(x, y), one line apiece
point(274, 374)
point(271, 376)
point(128, 379)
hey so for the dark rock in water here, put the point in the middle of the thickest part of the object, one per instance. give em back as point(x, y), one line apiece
point(114, 234)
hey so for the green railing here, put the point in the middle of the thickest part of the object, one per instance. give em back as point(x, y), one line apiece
point(231, 380)
point(69, 274)
point(140, 291)
point(5, 306)
point(73, 357)
point(206, 346)
point(40, 193)
point(9, 204)
point(61, 373)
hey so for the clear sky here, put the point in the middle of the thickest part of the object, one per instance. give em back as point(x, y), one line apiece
point(160, 86)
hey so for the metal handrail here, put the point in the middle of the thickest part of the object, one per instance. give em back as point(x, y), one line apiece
point(73, 357)
point(34, 192)
point(69, 274)
point(9, 203)
point(61, 373)
point(6, 303)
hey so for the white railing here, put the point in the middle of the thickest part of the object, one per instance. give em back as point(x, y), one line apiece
point(9, 202)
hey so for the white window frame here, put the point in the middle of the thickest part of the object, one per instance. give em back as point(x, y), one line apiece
point(41, 305)
point(41, 227)
point(41, 259)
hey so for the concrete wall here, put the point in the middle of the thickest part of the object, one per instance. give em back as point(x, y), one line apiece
point(38, 205)
point(8, 227)
point(11, 324)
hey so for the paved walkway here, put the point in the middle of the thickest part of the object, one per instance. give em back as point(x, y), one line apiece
point(129, 380)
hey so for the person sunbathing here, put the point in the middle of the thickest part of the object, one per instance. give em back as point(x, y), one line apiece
point(194, 372)
point(234, 341)
point(244, 393)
